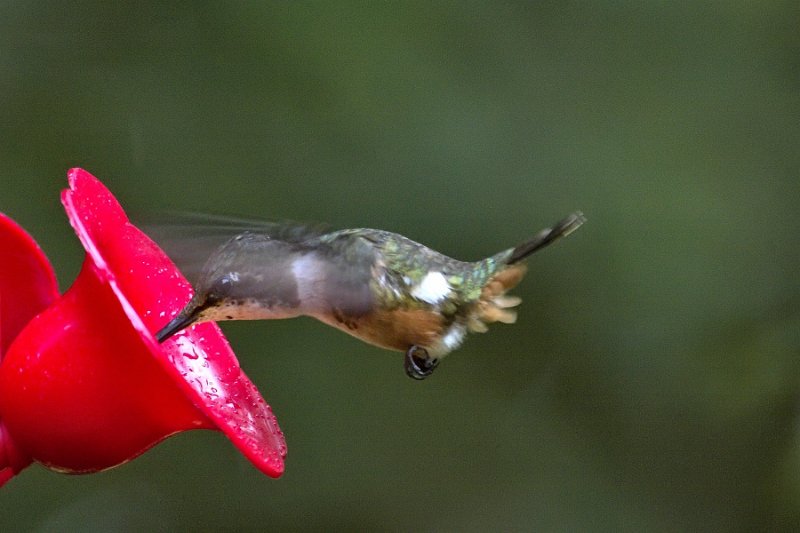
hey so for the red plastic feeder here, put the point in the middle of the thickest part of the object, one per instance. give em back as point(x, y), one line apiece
point(84, 386)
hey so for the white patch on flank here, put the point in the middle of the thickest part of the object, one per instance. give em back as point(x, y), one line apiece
point(306, 273)
point(454, 337)
point(432, 289)
point(450, 341)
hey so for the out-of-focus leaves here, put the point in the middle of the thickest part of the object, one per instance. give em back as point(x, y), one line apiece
point(651, 380)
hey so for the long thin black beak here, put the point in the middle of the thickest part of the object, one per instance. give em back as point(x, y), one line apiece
point(181, 321)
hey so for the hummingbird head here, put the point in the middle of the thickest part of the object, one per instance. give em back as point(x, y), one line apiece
point(239, 290)
point(228, 286)
point(214, 302)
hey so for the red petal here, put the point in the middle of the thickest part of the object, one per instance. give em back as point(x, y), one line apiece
point(151, 290)
point(27, 282)
point(79, 390)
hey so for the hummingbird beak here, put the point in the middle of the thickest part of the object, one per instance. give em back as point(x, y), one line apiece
point(181, 321)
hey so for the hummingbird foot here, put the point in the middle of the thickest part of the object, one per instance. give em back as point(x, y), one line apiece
point(418, 364)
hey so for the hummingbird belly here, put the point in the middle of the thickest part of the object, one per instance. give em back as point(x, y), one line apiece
point(251, 309)
point(398, 329)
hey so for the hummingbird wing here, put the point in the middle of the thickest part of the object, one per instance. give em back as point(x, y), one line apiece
point(189, 239)
point(338, 269)
point(189, 223)
point(314, 277)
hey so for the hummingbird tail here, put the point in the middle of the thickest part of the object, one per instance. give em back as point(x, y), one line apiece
point(561, 229)
point(494, 309)
point(494, 305)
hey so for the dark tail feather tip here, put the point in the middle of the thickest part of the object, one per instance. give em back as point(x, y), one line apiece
point(561, 229)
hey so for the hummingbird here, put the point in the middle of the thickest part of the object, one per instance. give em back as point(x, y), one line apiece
point(375, 285)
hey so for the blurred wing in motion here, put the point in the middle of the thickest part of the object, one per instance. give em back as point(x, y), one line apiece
point(189, 239)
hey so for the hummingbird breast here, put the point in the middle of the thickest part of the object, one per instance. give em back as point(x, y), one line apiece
point(395, 329)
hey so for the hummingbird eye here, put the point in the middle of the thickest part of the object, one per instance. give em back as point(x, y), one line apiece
point(219, 290)
point(226, 282)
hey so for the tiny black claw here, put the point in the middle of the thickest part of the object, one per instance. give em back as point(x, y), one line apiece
point(418, 364)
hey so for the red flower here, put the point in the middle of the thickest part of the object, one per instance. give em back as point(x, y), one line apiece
point(84, 386)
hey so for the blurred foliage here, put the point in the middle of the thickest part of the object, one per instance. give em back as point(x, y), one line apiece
point(651, 382)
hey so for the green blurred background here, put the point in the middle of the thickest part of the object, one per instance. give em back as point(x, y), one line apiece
point(651, 382)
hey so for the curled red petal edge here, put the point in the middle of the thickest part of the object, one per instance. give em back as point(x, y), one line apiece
point(27, 281)
point(151, 290)
point(27, 286)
